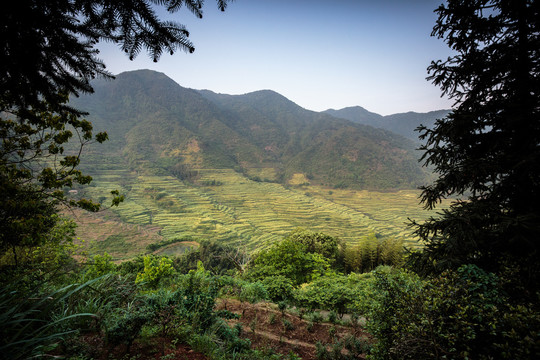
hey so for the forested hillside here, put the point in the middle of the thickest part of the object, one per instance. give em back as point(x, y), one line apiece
point(158, 125)
point(403, 124)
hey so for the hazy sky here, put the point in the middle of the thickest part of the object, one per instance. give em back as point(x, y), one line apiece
point(319, 54)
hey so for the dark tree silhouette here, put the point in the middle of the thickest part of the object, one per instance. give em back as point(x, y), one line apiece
point(47, 53)
point(47, 46)
point(487, 151)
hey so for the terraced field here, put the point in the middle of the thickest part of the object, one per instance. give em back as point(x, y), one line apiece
point(242, 212)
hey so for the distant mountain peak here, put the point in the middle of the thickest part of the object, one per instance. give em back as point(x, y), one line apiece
point(403, 123)
point(352, 108)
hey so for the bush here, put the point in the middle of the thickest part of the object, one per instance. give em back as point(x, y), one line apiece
point(287, 325)
point(155, 270)
point(315, 317)
point(328, 292)
point(253, 292)
point(279, 288)
point(325, 245)
point(100, 265)
point(290, 259)
point(332, 317)
point(355, 348)
point(395, 304)
point(460, 314)
point(215, 257)
point(124, 325)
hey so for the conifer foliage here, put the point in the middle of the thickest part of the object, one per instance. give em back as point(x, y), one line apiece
point(47, 47)
point(487, 150)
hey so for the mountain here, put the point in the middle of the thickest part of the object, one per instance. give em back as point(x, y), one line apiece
point(403, 124)
point(358, 115)
point(157, 126)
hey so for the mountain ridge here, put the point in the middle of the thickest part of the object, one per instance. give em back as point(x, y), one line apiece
point(159, 126)
point(403, 124)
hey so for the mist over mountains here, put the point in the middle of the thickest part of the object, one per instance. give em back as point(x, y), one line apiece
point(158, 126)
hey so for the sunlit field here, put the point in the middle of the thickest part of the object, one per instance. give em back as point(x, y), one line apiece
point(234, 210)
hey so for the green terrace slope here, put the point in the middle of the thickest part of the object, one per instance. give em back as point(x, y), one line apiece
point(235, 210)
point(163, 128)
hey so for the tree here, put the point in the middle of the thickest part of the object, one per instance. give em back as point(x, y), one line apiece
point(290, 259)
point(325, 245)
point(487, 150)
point(34, 169)
point(47, 52)
point(47, 46)
point(155, 270)
point(371, 252)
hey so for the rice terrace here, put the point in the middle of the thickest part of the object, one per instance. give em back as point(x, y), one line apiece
point(227, 207)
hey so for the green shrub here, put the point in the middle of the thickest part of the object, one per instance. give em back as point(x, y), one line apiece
point(332, 331)
point(287, 325)
point(315, 317)
point(282, 306)
point(215, 257)
point(100, 265)
point(355, 348)
point(272, 319)
point(155, 270)
point(362, 285)
point(230, 286)
point(460, 314)
point(327, 246)
point(197, 295)
point(279, 288)
point(133, 266)
point(328, 293)
point(288, 258)
point(124, 325)
point(396, 298)
point(332, 317)
point(253, 292)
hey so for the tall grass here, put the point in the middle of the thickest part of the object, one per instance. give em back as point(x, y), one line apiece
point(30, 325)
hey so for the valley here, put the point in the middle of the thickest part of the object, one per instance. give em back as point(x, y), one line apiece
point(243, 170)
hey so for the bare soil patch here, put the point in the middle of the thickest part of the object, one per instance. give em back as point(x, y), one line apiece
point(267, 327)
point(155, 349)
point(95, 228)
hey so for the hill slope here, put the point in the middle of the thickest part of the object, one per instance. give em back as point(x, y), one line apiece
point(160, 127)
point(403, 124)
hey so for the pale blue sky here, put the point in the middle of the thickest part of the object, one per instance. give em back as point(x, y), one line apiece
point(319, 54)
